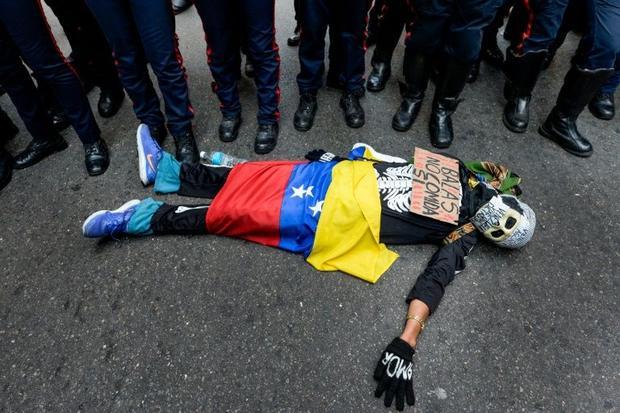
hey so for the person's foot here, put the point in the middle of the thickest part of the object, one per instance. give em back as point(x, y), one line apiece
point(36, 151)
point(295, 37)
point(6, 168)
point(517, 110)
point(149, 154)
point(229, 128)
point(602, 106)
point(110, 102)
point(266, 138)
point(179, 6)
point(107, 223)
point(59, 119)
point(440, 125)
point(249, 68)
point(378, 76)
point(492, 54)
point(158, 132)
point(562, 130)
point(306, 110)
point(187, 150)
point(352, 109)
point(409, 108)
point(8, 130)
point(472, 76)
point(97, 157)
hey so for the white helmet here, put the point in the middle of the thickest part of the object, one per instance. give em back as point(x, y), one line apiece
point(506, 221)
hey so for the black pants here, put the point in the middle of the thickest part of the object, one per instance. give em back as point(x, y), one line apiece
point(391, 17)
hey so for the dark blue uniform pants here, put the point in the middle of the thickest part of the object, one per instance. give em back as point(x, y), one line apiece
point(347, 23)
point(598, 47)
point(141, 31)
point(451, 27)
point(223, 22)
point(612, 83)
point(30, 37)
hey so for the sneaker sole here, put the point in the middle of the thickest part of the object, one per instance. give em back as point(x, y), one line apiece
point(142, 164)
point(122, 208)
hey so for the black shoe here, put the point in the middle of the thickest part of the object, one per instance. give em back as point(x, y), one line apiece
point(179, 6)
point(6, 168)
point(97, 158)
point(304, 115)
point(602, 106)
point(159, 133)
point(472, 76)
point(517, 110)
point(295, 38)
point(110, 102)
point(378, 76)
point(334, 82)
point(59, 119)
point(249, 69)
point(353, 110)
point(440, 125)
point(229, 128)
point(562, 130)
point(492, 55)
point(8, 130)
point(36, 151)
point(409, 107)
point(266, 138)
point(187, 150)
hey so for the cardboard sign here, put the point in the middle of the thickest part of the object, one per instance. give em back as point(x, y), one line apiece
point(437, 188)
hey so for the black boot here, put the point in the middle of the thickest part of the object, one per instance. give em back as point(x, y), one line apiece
point(187, 151)
point(8, 130)
point(179, 6)
point(36, 151)
point(577, 91)
point(59, 119)
point(353, 111)
point(491, 53)
point(6, 168)
point(304, 115)
point(229, 128)
point(295, 37)
point(451, 82)
point(602, 106)
point(521, 75)
point(266, 138)
point(110, 102)
point(158, 132)
point(472, 76)
point(416, 70)
point(97, 158)
point(378, 76)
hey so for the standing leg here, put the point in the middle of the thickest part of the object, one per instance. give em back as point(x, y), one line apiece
point(222, 33)
point(602, 104)
point(154, 21)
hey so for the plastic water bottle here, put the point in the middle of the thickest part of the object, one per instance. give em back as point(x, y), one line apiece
point(220, 158)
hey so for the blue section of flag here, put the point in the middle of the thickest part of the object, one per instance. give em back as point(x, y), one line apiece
point(301, 205)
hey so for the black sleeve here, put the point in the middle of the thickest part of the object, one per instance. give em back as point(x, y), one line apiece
point(443, 266)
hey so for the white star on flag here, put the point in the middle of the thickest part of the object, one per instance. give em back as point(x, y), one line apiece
point(300, 192)
point(316, 209)
point(309, 191)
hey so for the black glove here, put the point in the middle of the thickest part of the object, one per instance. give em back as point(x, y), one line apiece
point(321, 156)
point(394, 372)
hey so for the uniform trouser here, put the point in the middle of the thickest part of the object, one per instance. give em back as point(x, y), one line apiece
point(347, 22)
point(490, 32)
point(141, 31)
point(452, 27)
point(223, 21)
point(612, 83)
point(92, 57)
point(599, 45)
point(391, 20)
point(22, 91)
point(25, 24)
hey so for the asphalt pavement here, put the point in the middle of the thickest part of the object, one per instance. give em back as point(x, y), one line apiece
point(181, 323)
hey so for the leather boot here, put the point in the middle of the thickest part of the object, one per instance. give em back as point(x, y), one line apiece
point(110, 102)
point(306, 110)
point(379, 75)
point(295, 37)
point(577, 91)
point(37, 150)
point(416, 70)
point(353, 111)
point(452, 80)
point(229, 128)
point(266, 138)
point(179, 6)
point(491, 53)
point(187, 151)
point(8, 130)
point(6, 168)
point(602, 106)
point(521, 75)
point(59, 119)
point(97, 158)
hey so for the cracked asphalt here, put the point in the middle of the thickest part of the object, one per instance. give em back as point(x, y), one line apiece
point(180, 323)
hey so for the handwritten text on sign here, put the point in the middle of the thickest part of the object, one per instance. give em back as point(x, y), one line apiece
point(436, 186)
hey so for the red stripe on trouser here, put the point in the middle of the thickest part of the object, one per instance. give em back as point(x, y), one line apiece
point(528, 27)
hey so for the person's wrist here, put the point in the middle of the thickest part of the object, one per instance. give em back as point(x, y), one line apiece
point(410, 337)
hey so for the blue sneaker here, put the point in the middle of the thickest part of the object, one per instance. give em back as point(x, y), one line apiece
point(149, 154)
point(107, 223)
